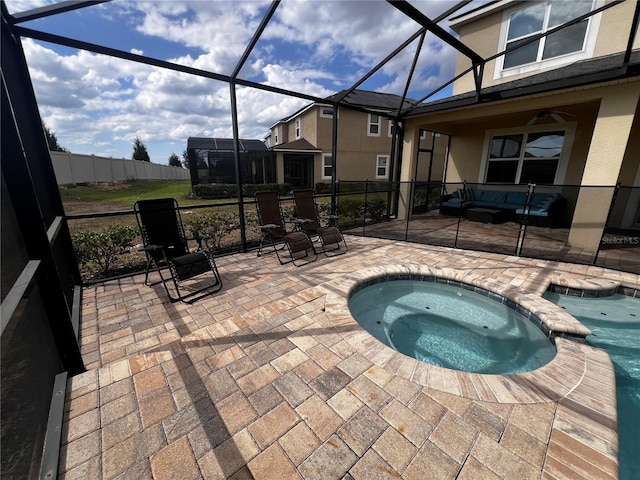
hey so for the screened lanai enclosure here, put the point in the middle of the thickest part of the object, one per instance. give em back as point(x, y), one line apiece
point(212, 160)
point(41, 285)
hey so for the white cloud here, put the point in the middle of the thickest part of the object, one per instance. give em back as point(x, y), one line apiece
point(98, 104)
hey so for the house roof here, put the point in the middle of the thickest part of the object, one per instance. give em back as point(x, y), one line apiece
point(362, 99)
point(581, 73)
point(373, 100)
point(226, 144)
point(300, 145)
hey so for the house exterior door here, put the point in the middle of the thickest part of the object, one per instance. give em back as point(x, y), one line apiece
point(298, 170)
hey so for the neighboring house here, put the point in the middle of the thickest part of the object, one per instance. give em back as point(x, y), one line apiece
point(212, 160)
point(561, 112)
point(303, 142)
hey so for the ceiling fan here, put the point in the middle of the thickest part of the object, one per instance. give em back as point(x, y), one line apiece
point(555, 114)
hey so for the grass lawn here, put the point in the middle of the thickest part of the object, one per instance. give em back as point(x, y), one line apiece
point(103, 197)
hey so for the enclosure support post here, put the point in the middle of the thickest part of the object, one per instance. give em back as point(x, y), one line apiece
point(236, 157)
point(334, 151)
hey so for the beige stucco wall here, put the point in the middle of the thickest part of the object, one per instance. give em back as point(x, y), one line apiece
point(610, 146)
point(483, 36)
point(614, 21)
point(602, 156)
point(357, 152)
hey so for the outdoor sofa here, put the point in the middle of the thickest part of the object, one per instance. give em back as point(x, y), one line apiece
point(546, 208)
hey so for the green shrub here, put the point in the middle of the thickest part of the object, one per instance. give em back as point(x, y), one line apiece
point(289, 212)
point(322, 187)
point(230, 190)
point(351, 187)
point(376, 208)
point(251, 222)
point(215, 226)
point(324, 209)
point(215, 190)
point(250, 189)
point(351, 208)
point(99, 250)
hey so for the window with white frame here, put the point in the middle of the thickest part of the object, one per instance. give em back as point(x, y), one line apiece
point(327, 166)
point(297, 128)
point(392, 128)
point(374, 125)
point(382, 166)
point(525, 157)
point(566, 45)
point(326, 112)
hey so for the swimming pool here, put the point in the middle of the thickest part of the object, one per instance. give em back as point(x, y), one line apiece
point(615, 323)
point(451, 326)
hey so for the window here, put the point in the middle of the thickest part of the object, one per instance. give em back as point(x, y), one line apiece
point(276, 135)
point(327, 166)
point(374, 125)
point(326, 112)
point(391, 128)
point(566, 45)
point(382, 165)
point(525, 157)
point(297, 128)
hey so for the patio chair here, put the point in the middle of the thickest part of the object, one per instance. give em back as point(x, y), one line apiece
point(329, 235)
point(273, 231)
point(165, 244)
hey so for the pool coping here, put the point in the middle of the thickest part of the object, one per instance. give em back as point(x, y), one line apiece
point(569, 380)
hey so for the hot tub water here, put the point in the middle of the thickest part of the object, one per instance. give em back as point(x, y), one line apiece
point(450, 326)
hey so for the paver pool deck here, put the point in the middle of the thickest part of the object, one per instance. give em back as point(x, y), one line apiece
point(271, 378)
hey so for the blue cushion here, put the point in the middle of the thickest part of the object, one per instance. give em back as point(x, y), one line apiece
point(517, 198)
point(539, 213)
point(457, 203)
point(508, 206)
point(466, 194)
point(493, 197)
point(534, 212)
point(538, 198)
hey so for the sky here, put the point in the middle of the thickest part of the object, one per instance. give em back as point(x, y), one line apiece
point(96, 104)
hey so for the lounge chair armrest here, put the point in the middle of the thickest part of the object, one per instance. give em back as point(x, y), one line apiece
point(268, 226)
point(150, 248)
point(302, 221)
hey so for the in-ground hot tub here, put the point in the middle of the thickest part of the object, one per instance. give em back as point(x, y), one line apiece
point(452, 326)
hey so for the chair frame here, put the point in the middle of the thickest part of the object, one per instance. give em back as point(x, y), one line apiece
point(161, 256)
point(307, 213)
point(272, 229)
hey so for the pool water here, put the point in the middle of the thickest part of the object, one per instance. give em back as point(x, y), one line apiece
point(615, 323)
point(450, 326)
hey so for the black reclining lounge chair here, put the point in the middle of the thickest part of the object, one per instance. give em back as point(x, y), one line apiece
point(165, 244)
point(307, 213)
point(273, 231)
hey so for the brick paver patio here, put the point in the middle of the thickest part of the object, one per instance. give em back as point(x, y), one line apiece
point(271, 379)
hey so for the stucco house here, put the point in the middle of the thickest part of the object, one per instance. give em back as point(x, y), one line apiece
point(561, 112)
point(303, 142)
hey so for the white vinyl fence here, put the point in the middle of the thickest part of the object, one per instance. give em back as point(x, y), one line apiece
point(72, 168)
